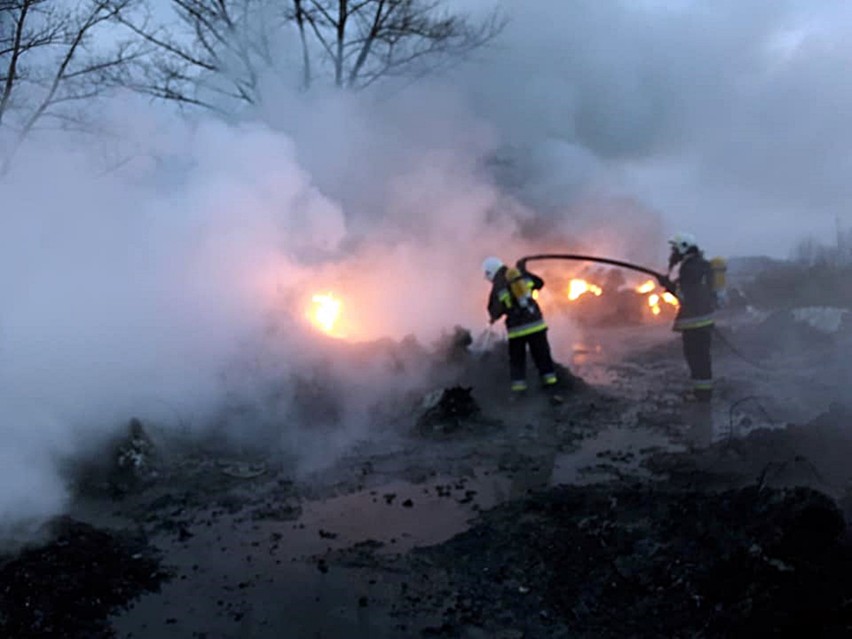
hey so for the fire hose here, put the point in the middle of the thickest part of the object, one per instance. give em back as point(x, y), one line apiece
point(662, 279)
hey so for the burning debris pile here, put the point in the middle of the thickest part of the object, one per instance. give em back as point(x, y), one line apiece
point(616, 561)
point(605, 298)
point(68, 587)
point(446, 411)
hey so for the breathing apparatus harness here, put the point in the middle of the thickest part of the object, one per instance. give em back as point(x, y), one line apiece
point(517, 285)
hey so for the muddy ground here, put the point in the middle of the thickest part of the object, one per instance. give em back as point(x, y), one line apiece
point(623, 512)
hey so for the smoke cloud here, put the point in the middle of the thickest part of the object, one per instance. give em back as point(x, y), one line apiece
point(717, 115)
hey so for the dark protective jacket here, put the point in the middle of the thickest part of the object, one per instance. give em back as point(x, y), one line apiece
point(520, 321)
point(695, 292)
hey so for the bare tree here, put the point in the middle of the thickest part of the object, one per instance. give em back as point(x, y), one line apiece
point(215, 50)
point(363, 41)
point(54, 59)
point(225, 45)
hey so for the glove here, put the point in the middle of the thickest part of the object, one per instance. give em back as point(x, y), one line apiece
point(521, 265)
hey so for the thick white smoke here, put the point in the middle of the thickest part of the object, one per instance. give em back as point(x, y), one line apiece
point(129, 296)
point(138, 290)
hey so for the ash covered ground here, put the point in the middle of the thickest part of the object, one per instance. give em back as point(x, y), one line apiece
point(622, 512)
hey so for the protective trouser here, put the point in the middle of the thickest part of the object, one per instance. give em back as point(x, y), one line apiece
point(540, 351)
point(696, 349)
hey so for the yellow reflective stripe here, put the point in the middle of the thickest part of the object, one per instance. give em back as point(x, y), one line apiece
point(505, 297)
point(527, 329)
point(702, 384)
point(549, 379)
point(519, 386)
point(688, 323)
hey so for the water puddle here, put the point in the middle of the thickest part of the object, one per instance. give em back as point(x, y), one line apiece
point(403, 515)
point(614, 452)
point(239, 577)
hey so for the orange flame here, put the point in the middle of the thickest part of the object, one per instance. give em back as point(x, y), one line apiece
point(576, 288)
point(655, 299)
point(325, 313)
point(646, 287)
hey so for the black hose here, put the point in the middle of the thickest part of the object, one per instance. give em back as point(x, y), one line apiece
point(591, 258)
point(738, 352)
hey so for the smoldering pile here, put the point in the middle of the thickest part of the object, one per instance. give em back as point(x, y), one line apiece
point(446, 410)
point(385, 383)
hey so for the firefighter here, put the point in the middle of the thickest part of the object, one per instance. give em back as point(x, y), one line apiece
point(694, 289)
point(511, 295)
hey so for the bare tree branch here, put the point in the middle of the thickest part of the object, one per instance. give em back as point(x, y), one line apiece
point(168, 47)
point(55, 61)
point(213, 43)
point(386, 38)
point(368, 41)
point(16, 49)
point(299, 16)
point(221, 49)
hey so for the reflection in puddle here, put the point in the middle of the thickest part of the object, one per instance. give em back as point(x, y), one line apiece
point(403, 515)
point(612, 452)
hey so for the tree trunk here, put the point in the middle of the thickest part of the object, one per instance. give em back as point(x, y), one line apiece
point(13, 62)
point(306, 57)
point(343, 7)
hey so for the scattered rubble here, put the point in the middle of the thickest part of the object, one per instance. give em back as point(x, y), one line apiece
point(67, 588)
point(643, 561)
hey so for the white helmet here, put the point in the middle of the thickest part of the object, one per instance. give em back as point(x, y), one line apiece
point(490, 266)
point(682, 242)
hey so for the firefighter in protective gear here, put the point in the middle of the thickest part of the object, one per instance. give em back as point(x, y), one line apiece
point(694, 289)
point(511, 296)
